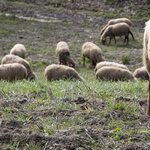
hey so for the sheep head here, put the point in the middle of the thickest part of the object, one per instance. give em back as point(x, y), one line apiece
point(103, 40)
point(72, 65)
point(100, 58)
point(32, 76)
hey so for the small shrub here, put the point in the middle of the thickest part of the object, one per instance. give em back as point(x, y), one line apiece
point(125, 59)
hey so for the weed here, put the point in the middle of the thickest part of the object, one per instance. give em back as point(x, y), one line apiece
point(125, 59)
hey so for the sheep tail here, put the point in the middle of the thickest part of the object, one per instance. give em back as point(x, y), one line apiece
point(102, 31)
point(131, 35)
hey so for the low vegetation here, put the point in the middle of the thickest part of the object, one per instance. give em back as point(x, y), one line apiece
point(69, 114)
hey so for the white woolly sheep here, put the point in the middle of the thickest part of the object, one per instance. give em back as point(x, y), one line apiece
point(114, 74)
point(115, 21)
point(92, 52)
point(9, 59)
point(12, 72)
point(106, 63)
point(119, 29)
point(56, 72)
point(62, 50)
point(19, 50)
point(141, 73)
point(146, 58)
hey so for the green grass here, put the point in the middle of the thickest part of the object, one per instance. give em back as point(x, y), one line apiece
point(104, 89)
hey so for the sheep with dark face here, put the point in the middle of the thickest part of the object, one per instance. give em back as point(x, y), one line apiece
point(56, 72)
point(115, 21)
point(114, 74)
point(106, 63)
point(141, 73)
point(9, 59)
point(119, 29)
point(19, 50)
point(92, 52)
point(11, 72)
point(62, 50)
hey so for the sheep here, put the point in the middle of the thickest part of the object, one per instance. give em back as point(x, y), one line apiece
point(141, 73)
point(117, 30)
point(19, 50)
point(56, 72)
point(92, 52)
point(115, 21)
point(8, 59)
point(62, 50)
point(106, 63)
point(12, 72)
point(114, 73)
point(146, 58)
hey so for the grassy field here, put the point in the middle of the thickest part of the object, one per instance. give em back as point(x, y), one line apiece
point(70, 115)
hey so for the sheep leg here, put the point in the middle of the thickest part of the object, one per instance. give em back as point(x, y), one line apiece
point(115, 39)
point(93, 63)
point(131, 35)
point(125, 39)
point(148, 103)
point(65, 63)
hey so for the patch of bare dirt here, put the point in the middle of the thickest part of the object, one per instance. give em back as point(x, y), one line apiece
point(82, 136)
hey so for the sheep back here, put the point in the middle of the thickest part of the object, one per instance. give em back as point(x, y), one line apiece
point(62, 50)
point(114, 74)
point(92, 52)
point(119, 20)
point(117, 29)
point(19, 50)
point(56, 72)
point(115, 21)
point(141, 73)
point(62, 47)
point(106, 63)
point(8, 59)
point(12, 72)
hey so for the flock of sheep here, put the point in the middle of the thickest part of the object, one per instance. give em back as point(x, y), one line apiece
point(117, 27)
point(14, 66)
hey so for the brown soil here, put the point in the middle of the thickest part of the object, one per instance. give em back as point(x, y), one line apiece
point(72, 138)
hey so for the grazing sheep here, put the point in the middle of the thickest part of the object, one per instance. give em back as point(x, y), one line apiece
point(62, 50)
point(92, 52)
point(56, 72)
point(9, 59)
point(115, 21)
point(146, 57)
point(114, 74)
point(12, 72)
point(117, 30)
point(19, 50)
point(141, 73)
point(113, 64)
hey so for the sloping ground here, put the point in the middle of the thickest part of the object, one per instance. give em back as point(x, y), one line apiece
point(83, 24)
